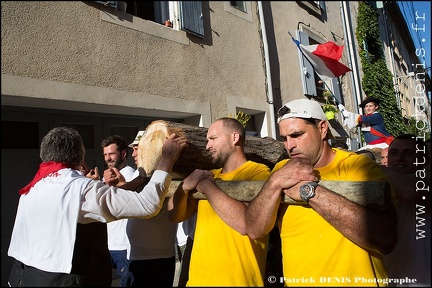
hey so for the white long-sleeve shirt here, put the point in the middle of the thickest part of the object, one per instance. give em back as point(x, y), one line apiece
point(159, 239)
point(117, 238)
point(45, 226)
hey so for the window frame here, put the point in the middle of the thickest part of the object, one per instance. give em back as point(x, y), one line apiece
point(186, 16)
point(241, 7)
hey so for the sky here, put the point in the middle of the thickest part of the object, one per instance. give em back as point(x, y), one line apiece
point(421, 37)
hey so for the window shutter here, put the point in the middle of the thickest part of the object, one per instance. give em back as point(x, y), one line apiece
point(191, 17)
point(321, 4)
point(108, 3)
point(161, 9)
point(336, 89)
point(308, 74)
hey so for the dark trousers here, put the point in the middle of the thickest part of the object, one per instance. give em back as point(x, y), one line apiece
point(90, 263)
point(184, 272)
point(26, 276)
point(153, 272)
point(274, 259)
point(119, 262)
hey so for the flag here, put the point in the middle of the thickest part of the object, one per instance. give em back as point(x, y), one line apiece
point(324, 58)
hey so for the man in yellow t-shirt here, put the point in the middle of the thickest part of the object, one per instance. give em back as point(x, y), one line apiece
point(328, 240)
point(222, 253)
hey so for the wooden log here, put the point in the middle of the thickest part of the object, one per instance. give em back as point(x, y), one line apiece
point(372, 194)
point(263, 150)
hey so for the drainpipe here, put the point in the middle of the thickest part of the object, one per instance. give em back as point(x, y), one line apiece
point(352, 56)
point(268, 73)
point(391, 56)
point(355, 78)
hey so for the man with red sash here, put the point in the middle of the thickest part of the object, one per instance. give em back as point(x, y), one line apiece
point(60, 237)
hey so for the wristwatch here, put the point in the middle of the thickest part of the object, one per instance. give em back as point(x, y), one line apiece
point(307, 191)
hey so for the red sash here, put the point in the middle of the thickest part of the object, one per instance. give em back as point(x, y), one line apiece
point(387, 139)
point(45, 169)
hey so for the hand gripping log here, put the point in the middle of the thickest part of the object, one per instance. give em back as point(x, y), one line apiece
point(372, 194)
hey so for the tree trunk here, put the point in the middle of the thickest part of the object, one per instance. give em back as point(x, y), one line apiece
point(263, 150)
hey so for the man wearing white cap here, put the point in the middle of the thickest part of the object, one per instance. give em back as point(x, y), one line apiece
point(326, 239)
point(134, 146)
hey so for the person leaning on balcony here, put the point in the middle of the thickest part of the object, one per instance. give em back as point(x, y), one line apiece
point(408, 173)
point(59, 237)
point(372, 123)
point(326, 239)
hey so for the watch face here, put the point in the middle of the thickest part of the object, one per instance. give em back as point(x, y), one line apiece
point(306, 189)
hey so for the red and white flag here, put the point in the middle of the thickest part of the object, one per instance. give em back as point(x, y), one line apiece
point(325, 59)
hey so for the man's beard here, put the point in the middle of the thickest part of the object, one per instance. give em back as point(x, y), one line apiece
point(220, 160)
point(116, 164)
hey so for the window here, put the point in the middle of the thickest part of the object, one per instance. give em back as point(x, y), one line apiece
point(87, 132)
point(241, 9)
point(240, 5)
point(256, 122)
point(312, 83)
point(19, 135)
point(128, 132)
point(156, 11)
point(316, 7)
point(184, 15)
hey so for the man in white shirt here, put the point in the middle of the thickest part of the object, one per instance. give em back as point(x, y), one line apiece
point(115, 151)
point(152, 253)
point(56, 240)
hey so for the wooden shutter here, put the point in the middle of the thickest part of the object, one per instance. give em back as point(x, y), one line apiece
point(108, 3)
point(336, 89)
point(307, 71)
point(191, 18)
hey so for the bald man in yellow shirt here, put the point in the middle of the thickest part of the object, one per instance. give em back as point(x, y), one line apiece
point(222, 253)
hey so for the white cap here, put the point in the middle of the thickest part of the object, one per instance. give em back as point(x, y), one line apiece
point(303, 108)
point(137, 139)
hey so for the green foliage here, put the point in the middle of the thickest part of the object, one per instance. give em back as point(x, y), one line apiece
point(377, 80)
point(243, 118)
point(328, 96)
point(412, 128)
point(329, 107)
